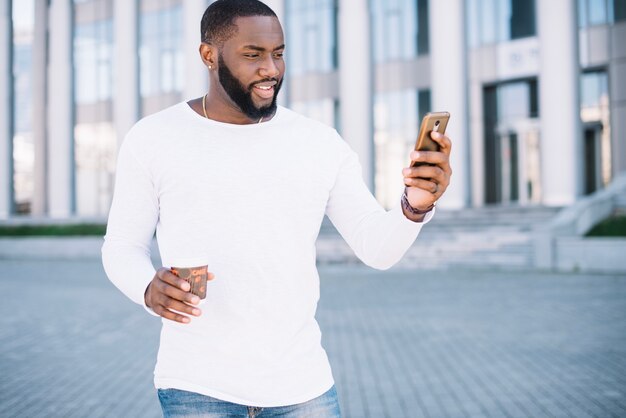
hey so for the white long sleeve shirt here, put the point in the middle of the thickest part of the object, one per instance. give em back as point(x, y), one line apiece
point(248, 200)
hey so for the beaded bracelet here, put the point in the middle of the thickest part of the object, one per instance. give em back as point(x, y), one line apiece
point(406, 205)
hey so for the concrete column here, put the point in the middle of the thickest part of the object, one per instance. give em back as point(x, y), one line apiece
point(6, 110)
point(40, 85)
point(356, 82)
point(449, 85)
point(196, 77)
point(561, 153)
point(61, 188)
point(126, 100)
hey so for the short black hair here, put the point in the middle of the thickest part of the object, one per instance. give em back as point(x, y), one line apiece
point(218, 21)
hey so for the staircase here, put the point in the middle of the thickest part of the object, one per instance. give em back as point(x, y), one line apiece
point(482, 238)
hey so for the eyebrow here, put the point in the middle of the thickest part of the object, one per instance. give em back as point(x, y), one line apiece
point(261, 49)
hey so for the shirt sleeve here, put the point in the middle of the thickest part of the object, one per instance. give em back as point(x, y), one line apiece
point(132, 221)
point(378, 237)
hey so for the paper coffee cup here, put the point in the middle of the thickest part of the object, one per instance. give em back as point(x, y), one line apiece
point(194, 270)
point(196, 276)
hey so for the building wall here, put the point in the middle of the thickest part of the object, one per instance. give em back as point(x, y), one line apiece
point(617, 93)
point(371, 77)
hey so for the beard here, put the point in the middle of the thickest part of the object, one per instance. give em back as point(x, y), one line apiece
point(242, 96)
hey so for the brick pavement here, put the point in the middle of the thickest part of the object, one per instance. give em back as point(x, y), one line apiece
point(402, 343)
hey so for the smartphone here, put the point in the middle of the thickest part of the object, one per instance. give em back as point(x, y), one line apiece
point(433, 121)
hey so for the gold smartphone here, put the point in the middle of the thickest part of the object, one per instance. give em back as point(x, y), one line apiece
point(433, 121)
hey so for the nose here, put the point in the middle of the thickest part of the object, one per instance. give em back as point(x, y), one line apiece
point(269, 68)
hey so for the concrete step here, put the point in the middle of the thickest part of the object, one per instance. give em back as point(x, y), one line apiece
point(476, 238)
point(489, 238)
point(478, 219)
point(465, 251)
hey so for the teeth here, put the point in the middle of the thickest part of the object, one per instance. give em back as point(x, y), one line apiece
point(265, 88)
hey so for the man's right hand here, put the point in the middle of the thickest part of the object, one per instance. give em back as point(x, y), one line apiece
point(168, 296)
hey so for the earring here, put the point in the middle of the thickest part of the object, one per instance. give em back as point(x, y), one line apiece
point(210, 67)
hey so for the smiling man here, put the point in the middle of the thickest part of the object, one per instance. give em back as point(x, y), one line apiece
point(235, 182)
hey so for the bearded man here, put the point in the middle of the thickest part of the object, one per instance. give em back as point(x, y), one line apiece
point(232, 181)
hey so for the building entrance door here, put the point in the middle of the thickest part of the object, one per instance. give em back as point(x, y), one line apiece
point(519, 162)
point(512, 155)
point(592, 138)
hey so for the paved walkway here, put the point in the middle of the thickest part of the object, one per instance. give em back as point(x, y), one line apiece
point(402, 344)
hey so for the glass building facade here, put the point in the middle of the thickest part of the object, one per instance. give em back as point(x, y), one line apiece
point(160, 55)
point(23, 146)
point(493, 21)
point(95, 143)
point(311, 28)
point(400, 34)
point(600, 12)
point(323, 110)
point(397, 116)
point(93, 61)
point(595, 92)
point(503, 79)
point(400, 29)
point(510, 105)
point(312, 48)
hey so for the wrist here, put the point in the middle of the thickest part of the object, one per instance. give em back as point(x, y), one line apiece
point(407, 207)
point(145, 296)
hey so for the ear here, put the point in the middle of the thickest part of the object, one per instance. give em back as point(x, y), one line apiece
point(208, 53)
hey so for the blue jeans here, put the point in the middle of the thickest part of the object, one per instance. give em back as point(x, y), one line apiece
point(182, 404)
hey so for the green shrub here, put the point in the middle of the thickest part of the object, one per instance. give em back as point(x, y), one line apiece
point(611, 227)
point(52, 230)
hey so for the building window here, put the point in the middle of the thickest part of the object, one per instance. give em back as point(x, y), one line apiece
point(95, 142)
point(600, 12)
point(400, 29)
point(312, 36)
point(397, 116)
point(619, 10)
point(95, 152)
point(93, 61)
point(324, 110)
point(423, 103)
point(522, 19)
point(23, 17)
point(595, 117)
point(161, 52)
point(493, 21)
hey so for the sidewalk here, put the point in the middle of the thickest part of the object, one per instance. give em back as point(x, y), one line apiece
point(402, 343)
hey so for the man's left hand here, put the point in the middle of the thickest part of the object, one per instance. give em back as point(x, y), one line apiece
point(427, 183)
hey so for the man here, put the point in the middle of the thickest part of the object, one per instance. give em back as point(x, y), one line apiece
point(236, 182)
